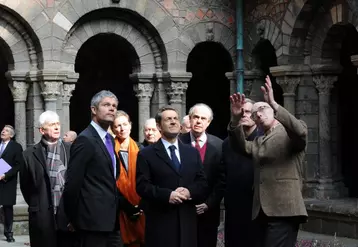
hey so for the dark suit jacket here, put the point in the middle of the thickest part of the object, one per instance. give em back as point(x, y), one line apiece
point(36, 189)
point(215, 174)
point(13, 156)
point(278, 157)
point(168, 224)
point(91, 197)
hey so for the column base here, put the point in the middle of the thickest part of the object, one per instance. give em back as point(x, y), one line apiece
point(328, 189)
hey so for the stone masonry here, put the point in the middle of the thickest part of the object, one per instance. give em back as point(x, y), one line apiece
point(41, 38)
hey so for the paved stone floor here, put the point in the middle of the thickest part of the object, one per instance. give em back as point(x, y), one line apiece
point(22, 241)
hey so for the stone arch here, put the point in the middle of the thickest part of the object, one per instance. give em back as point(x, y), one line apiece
point(305, 19)
point(201, 32)
point(125, 23)
point(320, 32)
point(264, 29)
point(21, 40)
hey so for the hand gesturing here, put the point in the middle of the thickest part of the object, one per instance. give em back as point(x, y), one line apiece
point(237, 101)
point(268, 91)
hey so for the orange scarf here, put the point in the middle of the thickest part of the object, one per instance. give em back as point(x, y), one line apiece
point(132, 231)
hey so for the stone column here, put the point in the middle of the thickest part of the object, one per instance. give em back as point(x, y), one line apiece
point(144, 88)
point(288, 77)
point(354, 60)
point(324, 78)
point(19, 88)
point(253, 80)
point(67, 90)
point(51, 87)
point(176, 88)
point(232, 78)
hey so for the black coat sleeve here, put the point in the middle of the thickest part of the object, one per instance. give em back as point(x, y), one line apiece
point(18, 161)
point(81, 154)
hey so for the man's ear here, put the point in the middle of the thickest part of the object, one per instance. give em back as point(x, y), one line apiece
point(93, 110)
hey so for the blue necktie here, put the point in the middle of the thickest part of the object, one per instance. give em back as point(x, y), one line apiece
point(109, 146)
point(174, 157)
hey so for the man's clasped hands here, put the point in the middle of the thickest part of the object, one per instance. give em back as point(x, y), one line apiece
point(182, 194)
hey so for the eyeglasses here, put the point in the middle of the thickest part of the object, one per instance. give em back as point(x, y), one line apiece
point(259, 109)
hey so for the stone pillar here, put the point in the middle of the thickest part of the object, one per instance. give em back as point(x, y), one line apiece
point(288, 77)
point(253, 80)
point(324, 78)
point(19, 87)
point(354, 60)
point(67, 90)
point(176, 89)
point(144, 88)
point(232, 78)
point(51, 87)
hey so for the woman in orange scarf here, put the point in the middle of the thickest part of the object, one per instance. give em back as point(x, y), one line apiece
point(131, 226)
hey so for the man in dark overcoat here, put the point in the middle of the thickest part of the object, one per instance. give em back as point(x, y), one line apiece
point(11, 153)
point(239, 170)
point(42, 180)
point(170, 181)
point(209, 147)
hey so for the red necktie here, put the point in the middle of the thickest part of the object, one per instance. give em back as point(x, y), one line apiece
point(197, 146)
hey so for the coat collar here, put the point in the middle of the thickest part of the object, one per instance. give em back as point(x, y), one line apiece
point(162, 153)
point(100, 143)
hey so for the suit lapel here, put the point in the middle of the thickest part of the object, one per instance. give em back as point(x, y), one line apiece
point(40, 156)
point(102, 146)
point(271, 134)
point(162, 153)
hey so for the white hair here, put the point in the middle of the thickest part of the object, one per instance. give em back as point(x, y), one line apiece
point(191, 111)
point(148, 121)
point(48, 117)
point(186, 117)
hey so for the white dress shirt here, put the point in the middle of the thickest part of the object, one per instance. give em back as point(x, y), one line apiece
point(3, 146)
point(202, 139)
point(168, 144)
point(102, 133)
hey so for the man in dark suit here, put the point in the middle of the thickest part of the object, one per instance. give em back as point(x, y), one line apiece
point(11, 153)
point(91, 197)
point(170, 181)
point(239, 180)
point(278, 205)
point(42, 178)
point(209, 147)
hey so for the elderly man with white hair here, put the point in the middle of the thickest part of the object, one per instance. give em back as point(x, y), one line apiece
point(151, 132)
point(42, 180)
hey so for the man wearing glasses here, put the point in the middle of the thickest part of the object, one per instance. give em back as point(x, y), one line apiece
point(278, 206)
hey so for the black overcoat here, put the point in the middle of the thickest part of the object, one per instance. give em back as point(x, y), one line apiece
point(35, 187)
point(168, 224)
point(13, 156)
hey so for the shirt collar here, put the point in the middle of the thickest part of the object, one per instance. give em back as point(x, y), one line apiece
point(101, 132)
point(168, 144)
point(202, 139)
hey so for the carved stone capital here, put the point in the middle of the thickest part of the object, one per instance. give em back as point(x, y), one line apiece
point(288, 83)
point(144, 91)
point(175, 91)
point(67, 90)
point(51, 89)
point(19, 90)
point(324, 83)
point(248, 86)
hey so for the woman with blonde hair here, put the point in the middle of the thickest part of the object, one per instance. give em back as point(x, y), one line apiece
point(131, 226)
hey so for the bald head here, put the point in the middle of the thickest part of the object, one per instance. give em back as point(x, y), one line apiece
point(70, 136)
point(185, 125)
point(151, 132)
point(263, 114)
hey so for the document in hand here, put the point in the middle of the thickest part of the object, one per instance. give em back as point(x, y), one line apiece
point(4, 166)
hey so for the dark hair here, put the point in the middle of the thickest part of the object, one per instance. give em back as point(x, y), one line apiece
point(158, 116)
